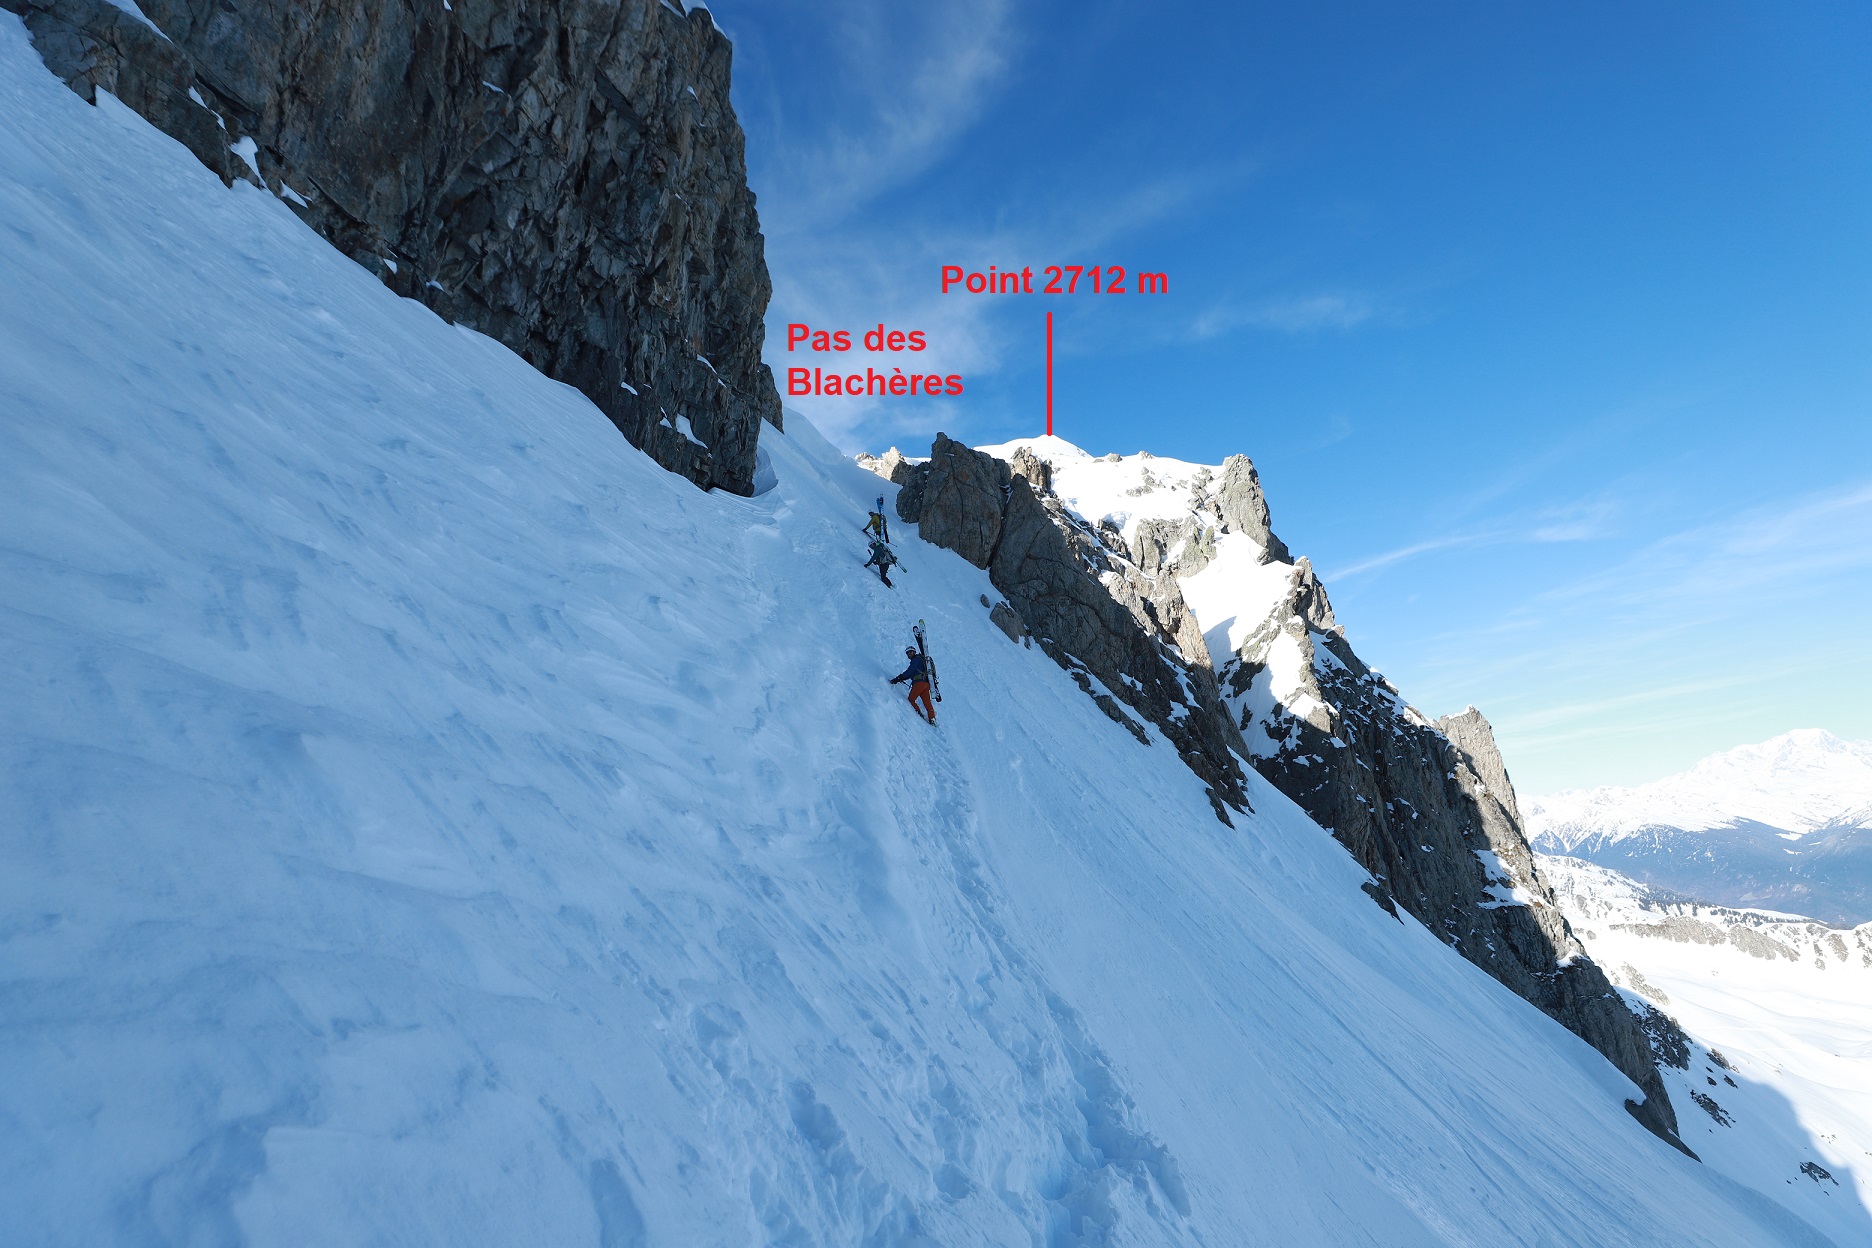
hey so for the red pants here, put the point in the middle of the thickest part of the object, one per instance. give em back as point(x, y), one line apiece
point(920, 689)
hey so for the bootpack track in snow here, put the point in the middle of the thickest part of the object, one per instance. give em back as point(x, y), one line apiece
point(438, 824)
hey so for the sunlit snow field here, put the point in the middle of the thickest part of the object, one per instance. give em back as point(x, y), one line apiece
point(427, 822)
point(1788, 1005)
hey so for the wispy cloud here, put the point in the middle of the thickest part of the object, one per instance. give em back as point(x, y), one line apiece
point(1328, 431)
point(837, 158)
point(1292, 314)
point(891, 275)
point(1757, 558)
point(913, 80)
point(1716, 634)
point(1401, 554)
point(1576, 522)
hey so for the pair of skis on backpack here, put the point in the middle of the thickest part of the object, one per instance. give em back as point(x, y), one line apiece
point(921, 673)
point(922, 644)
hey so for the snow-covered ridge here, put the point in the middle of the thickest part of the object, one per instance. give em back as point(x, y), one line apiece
point(1119, 490)
point(1590, 892)
point(1427, 808)
point(1800, 782)
point(1784, 825)
point(1231, 586)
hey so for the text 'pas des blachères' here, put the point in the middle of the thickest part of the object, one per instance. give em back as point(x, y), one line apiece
point(872, 381)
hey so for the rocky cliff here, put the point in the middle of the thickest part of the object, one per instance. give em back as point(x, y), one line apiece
point(567, 178)
point(1126, 638)
point(1425, 806)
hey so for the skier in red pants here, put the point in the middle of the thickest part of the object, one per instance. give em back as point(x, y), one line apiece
point(918, 676)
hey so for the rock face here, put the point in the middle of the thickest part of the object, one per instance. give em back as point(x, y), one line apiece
point(1005, 618)
point(567, 178)
point(1426, 807)
point(891, 465)
point(1232, 503)
point(1128, 641)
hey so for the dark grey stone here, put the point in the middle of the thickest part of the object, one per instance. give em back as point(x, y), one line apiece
point(910, 496)
point(569, 179)
point(1429, 810)
point(1130, 643)
point(1243, 507)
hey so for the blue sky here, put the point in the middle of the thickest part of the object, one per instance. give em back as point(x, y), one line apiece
point(1548, 326)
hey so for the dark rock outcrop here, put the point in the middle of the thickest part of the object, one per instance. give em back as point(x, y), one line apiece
point(891, 465)
point(1233, 503)
point(1130, 643)
point(1426, 807)
point(95, 46)
point(1429, 810)
point(567, 178)
point(1008, 620)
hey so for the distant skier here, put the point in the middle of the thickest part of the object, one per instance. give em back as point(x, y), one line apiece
point(877, 525)
point(882, 559)
point(918, 674)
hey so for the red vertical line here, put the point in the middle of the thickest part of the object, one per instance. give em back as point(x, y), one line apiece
point(1049, 374)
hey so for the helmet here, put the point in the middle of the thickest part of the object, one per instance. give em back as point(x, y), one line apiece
point(911, 651)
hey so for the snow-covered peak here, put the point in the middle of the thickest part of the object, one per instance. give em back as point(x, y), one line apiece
point(1207, 525)
point(1121, 490)
point(1799, 782)
point(1055, 451)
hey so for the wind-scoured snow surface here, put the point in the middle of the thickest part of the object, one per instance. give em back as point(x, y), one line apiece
point(1783, 1002)
point(427, 822)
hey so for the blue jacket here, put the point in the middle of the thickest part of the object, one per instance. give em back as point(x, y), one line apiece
point(918, 670)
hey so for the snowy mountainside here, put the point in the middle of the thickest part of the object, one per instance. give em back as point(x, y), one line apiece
point(1801, 782)
point(1778, 1014)
point(1786, 824)
point(429, 821)
point(568, 179)
point(1426, 807)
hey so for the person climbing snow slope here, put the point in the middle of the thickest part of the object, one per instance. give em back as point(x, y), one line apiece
point(878, 526)
point(922, 648)
point(917, 673)
point(882, 559)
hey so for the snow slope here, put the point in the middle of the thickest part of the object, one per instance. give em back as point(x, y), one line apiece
point(1786, 824)
point(1785, 1002)
point(428, 822)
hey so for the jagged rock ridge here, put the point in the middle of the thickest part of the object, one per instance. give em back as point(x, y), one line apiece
point(1128, 639)
point(569, 179)
point(1426, 807)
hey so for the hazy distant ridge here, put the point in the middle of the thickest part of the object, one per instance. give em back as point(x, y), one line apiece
point(1786, 825)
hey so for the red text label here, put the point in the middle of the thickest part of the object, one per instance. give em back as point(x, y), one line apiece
point(1054, 279)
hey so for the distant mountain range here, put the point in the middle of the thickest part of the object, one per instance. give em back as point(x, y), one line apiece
point(1784, 825)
